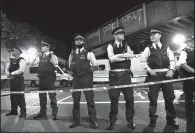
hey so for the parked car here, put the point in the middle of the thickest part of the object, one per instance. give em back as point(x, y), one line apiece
point(62, 79)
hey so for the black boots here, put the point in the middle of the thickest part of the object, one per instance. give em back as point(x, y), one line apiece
point(131, 125)
point(111, 125)
point(22, 115)
point(169, 122)
point(74, 124)
point(152, 123)
point(43, 116)
point(173, 124)
point(94, 125)
point(40, 115)
point(55, 117)
point(12, 113)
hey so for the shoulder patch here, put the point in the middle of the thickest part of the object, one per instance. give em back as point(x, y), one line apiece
point(113, 43)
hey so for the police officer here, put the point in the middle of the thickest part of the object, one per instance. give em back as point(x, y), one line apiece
point(16, 68)
point(119, 55)
point(159, 62)
point(187, 64)
point(79, 63)
point(47, 62)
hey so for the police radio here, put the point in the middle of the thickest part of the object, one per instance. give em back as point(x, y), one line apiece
point(125, 50)
point(39, 54)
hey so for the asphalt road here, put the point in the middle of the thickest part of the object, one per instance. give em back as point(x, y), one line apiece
point(14, 124)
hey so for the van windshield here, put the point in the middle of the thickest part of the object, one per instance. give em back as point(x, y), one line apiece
point(58, 70)
point(102, 67)
point(34, 69)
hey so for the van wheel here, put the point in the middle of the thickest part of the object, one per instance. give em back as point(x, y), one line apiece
point(64, 83)
point(33, 83)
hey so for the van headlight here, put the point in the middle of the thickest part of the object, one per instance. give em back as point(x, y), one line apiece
point(69, 78)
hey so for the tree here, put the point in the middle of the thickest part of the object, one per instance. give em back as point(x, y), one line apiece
point(6, 27)
point(14, 33)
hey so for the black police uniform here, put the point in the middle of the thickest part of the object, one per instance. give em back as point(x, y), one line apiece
point(47, 79)
point(17, 84)
point(120, 78)
point(189, 89)
point(158, 59)
point(82, 78)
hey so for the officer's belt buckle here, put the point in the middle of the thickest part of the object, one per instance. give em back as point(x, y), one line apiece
point(120, 70)
point(117, 74)
point(161, 71)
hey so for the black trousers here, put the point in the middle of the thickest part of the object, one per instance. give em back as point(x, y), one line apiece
point(47, 83)
point(168, 94)
point(17, 84)
point(189, 89)
point(83, 81)
point(121, 78)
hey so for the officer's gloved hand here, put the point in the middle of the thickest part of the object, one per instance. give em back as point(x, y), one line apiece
point(152, 72)
point(94, 68)
point(169, 73)
point(8, 75)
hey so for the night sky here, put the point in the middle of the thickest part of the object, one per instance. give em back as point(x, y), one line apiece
point(60, 19)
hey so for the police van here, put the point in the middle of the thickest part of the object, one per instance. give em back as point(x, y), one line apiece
point(102, 74)
point(62, 79)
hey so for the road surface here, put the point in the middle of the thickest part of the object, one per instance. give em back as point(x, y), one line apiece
point(102, 103)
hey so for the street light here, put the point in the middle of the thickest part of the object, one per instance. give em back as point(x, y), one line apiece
point(31, 52)
point(179, 39)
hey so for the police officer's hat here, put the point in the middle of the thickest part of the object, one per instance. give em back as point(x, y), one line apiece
point(78, 36)
point(16, 49)
point(45, 44)
point(152, 31)
point(118, 30)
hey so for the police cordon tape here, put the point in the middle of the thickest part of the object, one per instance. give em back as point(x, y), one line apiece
point(101, 88)
point(132, 85)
